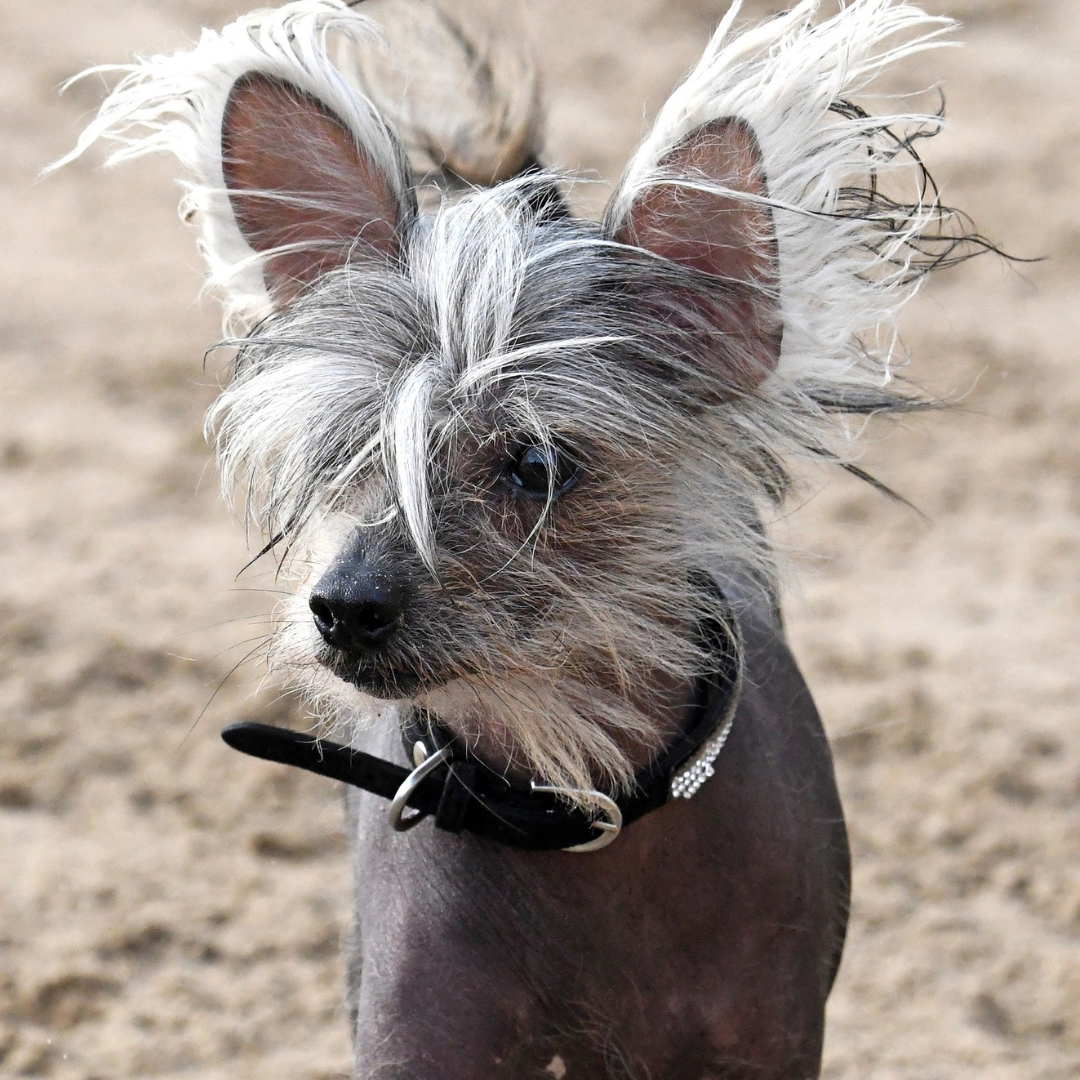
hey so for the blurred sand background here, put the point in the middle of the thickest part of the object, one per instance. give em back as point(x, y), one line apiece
point(170, 909)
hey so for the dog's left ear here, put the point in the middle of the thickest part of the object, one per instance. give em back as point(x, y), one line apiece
point(704, 206)
point(303, 192)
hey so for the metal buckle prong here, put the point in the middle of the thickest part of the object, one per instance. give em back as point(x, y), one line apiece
point(398, 822)
point(608, 830)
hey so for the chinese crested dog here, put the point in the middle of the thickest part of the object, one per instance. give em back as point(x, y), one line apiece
point(516, 466)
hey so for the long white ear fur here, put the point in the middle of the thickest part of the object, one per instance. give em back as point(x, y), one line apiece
point(843, 275)
point(176, 104)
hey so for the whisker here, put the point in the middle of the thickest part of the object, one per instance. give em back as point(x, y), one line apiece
point(228, 675)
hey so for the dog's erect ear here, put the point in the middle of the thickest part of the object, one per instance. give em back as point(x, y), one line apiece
point(705, 206)
point(298, 181)
point(290, 170)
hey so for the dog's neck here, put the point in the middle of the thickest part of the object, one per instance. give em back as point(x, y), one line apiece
point(669, 701)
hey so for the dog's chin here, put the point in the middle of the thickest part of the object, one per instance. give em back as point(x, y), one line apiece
point(386, 686)
point(381, 682)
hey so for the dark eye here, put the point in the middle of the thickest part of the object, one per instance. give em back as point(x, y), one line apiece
point(540, 471)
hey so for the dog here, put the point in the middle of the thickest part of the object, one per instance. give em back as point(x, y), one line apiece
point(518, 468)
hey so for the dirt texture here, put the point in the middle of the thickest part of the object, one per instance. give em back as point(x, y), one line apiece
point(169, 908)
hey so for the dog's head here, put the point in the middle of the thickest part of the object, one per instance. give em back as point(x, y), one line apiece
point(488, 434)
point(496, 442)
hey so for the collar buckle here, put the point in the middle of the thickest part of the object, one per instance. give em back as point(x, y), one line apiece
point(609, 830)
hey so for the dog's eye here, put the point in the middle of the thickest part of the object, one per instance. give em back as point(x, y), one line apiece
point(540, 471)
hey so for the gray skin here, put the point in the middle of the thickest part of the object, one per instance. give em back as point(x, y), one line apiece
point(701, 945)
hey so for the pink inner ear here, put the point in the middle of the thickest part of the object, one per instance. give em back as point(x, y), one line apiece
point(295, 176)
point(730, 238)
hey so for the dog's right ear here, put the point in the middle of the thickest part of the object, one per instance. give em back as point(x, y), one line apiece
point(305, 194)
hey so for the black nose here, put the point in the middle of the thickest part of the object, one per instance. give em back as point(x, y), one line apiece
point(357, 609)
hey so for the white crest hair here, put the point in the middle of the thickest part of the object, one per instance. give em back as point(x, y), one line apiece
point(843, 275)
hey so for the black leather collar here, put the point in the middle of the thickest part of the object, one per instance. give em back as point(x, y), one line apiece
point(463, 794)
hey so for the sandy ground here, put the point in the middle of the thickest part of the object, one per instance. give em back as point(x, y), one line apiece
point(168, 908)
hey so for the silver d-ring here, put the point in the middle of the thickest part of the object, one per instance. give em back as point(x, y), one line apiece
point(609, 829)
point(398, 822)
